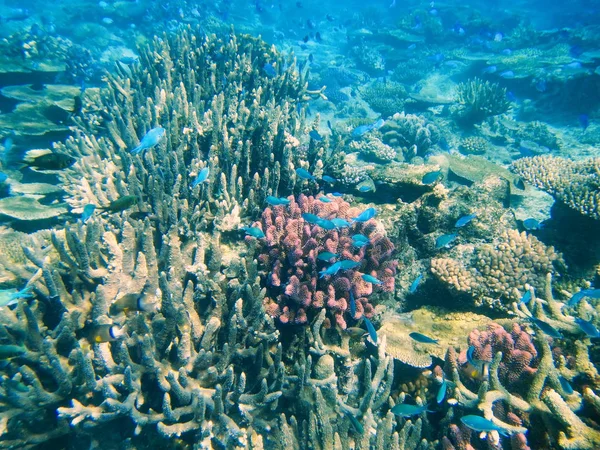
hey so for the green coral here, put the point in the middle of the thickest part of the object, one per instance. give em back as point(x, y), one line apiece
point(478, 100)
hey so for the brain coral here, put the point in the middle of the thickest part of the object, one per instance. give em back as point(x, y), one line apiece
point(497, 274)
point(289, 255)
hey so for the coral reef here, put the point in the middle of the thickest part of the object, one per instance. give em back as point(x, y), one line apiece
point(292, 245)
point(573, 183)
point(411, 134)
point(473, 145)
point(478, 100)
point(385, 98)
point(372, 149)
point(498, 274)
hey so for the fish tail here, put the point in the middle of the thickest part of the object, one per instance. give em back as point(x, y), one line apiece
point(137, 150)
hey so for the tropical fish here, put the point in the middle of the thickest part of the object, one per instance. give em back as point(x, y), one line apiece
point(304, 174)
point(366, 215)
point(201, 178)
point(132, 302)
point(310, 218)
point(479, 423)
point(490, 69)
point(363, 129)
point(576, 298)
point(314, 134)
point(423, 339)
point(359, 244)
point(150, 139)
point(406, 410)
point(445, 239)
point(431, 177)
point(3, 177)
point(526, 297)
point(337, 194)
point(360, 238)
point(356, 332)
point(47, 160)
point(371, 330)
point(120, 204)
point(355, 423)
point(88, 211)
point(340, 223)
point(329, 179)
point(327, 256)
point(587, 327)
point(371, 279)
point(274, 201)
point(464, 220)
point(331, 270)
point(507, 74)
point(9, 297)
point(519, 183)
point(105, 333)
point(326, 224)
point(255, 232)
point(365, 188)
point(352, 302)
point(269, 69)
point(531, 224)
point(584, 121)
point(9, 351)
point(348, 264)
point(441, 394)
point(415, 284)
point(565, 385)
point(546, 328)
point(325, 199)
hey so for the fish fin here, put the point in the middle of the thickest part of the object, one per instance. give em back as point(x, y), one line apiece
point(136, 150)
point(30, 156)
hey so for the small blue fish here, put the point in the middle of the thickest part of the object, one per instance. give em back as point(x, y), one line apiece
point(526, 298)
point(470, 353)
point(274, 201)
point(352, 303)
point(531, 224)
point(340, 223)
point(326, 256)
point(202, 177)
point(591, 293)
point(255, 232)
point(366, 215)
point(331, 270)
point(444, 240)
point(337, 194)
point(150, 139)
point(310, 218)
point(360, 244)
point(490, 69)
point(371, 279)
point(479, 423)
point(415, 284)
point(360, 238)
point(441, 395)
point(347, 264)
point(304, 174)
point(587, 327)
point(329, 179)
point(325, 199)
point(371, 330)
point(508, 74)
point(269, 69)
point(584, 121)
point(9, 297)
point(314, 134)
point(365, 188)
point(464, 220)
point(406, 410)
point(88, 211)
point(326, 224)
point(363, 129)
point(546, 328)
point(566, 386)
point(423, 339)
point(431, 177)
point(3, 177)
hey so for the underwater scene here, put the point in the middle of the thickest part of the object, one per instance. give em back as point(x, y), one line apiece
point(300, 225)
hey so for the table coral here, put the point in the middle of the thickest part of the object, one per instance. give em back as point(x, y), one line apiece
point(289, 257)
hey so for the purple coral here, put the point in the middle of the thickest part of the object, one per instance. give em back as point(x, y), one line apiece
point(289, 255)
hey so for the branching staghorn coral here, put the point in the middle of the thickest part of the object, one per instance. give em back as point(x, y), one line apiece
point(222, 107)
point(573, 183)
point(478, 100)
